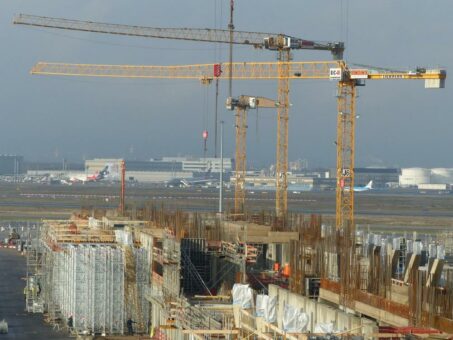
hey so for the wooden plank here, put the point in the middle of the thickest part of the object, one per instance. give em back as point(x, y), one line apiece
point(210, 331)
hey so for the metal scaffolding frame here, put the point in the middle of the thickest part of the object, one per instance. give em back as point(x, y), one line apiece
point(87, 283)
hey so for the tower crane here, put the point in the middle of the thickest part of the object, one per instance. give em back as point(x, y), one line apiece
point(242, 104)
point(348, 80)
point(281, 43)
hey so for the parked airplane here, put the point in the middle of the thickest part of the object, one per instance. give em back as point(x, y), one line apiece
point(99, 175)
point(208, 179)
point(367, 187)
point(190, 182)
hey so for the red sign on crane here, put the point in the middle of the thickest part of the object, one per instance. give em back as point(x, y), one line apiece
point(217, 70)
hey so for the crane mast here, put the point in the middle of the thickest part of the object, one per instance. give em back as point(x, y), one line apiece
point(242, 104)
point(281, 166)
point(231, 29)
point(240, 159)
point(345, 153)
point(345, 186)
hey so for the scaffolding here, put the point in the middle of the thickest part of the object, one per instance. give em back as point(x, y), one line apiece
point(85, 281)
point(34, 302)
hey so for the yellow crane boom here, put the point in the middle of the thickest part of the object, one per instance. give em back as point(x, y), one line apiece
point(208, 72)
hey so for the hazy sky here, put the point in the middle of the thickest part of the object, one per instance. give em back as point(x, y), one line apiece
point(400, 124)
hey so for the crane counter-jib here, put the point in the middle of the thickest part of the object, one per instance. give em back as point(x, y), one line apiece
point(423, 76)
point(241, 70)
point(434, 78)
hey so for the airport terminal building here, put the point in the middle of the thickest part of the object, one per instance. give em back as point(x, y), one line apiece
point(162, 169)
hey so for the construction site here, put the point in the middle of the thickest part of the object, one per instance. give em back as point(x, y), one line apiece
point(240, 273)
point(179, 275)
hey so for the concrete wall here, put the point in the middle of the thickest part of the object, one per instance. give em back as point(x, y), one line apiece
point(372, 312)
point(319, 312)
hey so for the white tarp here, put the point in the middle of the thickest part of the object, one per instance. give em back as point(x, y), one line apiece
point(3, 327)
point(294, 320)
point(324, 328)
point(123, 237)
point(270, 310)
point(93, 223)
point(260, 305)
point(266, 307)
point(242, 295)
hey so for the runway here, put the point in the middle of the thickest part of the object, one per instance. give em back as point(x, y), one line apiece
point(35, 201)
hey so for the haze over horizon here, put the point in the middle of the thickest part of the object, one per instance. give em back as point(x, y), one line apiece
point(50, 118)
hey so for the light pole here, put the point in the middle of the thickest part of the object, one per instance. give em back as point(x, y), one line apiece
point(221, 170)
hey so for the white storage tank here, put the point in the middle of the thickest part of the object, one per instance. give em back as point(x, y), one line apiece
point(414, 176)
point(442, 176)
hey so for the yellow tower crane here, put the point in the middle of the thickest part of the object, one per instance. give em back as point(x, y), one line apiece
point(347, 79)
point(281, 43)
point(242, 104)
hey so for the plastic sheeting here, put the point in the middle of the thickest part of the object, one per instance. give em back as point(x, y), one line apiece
point(418, 247)
point(324, 328)
point(396, 242)
point(242, 295)
point(270, 310)
point(93, 223)
point(441, 252)
point(294, 319)
point(123, 237)
point(260, 305)
point(266, 307)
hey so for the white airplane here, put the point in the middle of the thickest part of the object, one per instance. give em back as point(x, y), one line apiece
point(99, 175)
point(367, 187)
point(208, 179)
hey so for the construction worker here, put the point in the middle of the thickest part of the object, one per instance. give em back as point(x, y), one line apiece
point(70, 323)
point(151, 329)
point(129, 323)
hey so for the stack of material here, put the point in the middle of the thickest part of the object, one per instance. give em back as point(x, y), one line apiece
point(58, 232)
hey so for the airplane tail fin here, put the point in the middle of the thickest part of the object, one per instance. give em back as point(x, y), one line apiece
point(208, 172)
point(185, 183)
point(106, 171)
point(111, 171)
point(369, 185)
